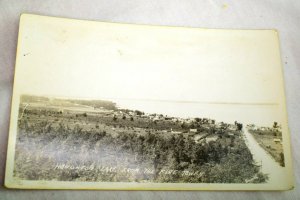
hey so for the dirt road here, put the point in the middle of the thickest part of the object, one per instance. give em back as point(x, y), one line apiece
point(268, 164)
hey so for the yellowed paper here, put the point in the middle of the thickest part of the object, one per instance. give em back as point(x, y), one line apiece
point(101, 105)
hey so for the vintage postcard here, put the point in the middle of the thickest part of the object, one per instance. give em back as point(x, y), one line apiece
point(112, 106)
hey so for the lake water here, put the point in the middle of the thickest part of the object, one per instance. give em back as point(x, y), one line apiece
point(262, 115)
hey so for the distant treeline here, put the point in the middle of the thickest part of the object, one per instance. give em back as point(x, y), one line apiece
point(57, 101)
point(33, 99)
point(109, 105)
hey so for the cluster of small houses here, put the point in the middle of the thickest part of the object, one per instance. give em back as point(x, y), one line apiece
point(159, 117)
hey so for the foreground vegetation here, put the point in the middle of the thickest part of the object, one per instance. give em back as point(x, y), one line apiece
point(104, 146)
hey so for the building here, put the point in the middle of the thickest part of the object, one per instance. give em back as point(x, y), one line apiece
point(193, 130)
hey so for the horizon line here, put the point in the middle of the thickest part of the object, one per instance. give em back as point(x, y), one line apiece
point(164, 100)
point(200, 102)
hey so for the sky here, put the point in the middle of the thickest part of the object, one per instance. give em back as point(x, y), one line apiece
point(81, 59)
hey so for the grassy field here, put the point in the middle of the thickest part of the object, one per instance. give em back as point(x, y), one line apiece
point(270, 139)
point(76, 141)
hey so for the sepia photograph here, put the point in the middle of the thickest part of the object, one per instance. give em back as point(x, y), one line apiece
point(101, 140)
point(100, 105)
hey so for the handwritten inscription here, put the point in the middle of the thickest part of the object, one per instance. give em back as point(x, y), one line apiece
point(133, 171)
